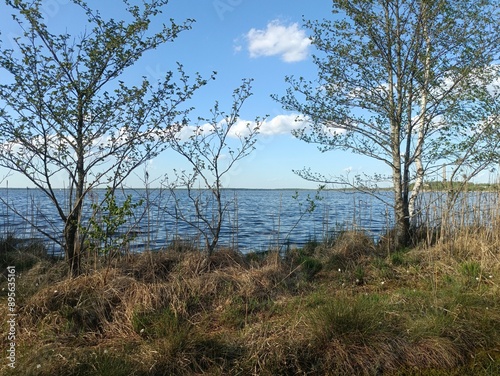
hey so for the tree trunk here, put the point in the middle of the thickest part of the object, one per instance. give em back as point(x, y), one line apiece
point(401, 209)
point(216, 229)
point(401, 214)
point(72, 246)
point(72, 241)
point(419, 179)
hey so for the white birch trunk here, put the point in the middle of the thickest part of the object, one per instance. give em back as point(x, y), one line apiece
point(422, 125)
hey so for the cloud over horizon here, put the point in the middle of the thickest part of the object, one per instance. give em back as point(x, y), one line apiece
point(289, 42)
point(278, 125)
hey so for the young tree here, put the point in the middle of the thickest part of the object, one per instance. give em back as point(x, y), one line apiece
point(67, 113)
point(212, 149)
point(392, 75)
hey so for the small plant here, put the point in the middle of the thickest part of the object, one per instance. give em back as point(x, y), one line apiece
point(471, 269)
point(310, 267)
point(159, 324)
point(103, 228)
point(398, 258)
point(359, 274)
point(337, 262)
point(305, 208)
point(349, 320)
point(8, 243)
point(384, 270)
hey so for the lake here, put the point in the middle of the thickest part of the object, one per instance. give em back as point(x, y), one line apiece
point(255, 220)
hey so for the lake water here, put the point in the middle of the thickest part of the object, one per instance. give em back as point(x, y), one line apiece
point(255, 220)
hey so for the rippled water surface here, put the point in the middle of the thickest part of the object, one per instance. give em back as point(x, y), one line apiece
point(254, 219)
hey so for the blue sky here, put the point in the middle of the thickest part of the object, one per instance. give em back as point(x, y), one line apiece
point(262, 40)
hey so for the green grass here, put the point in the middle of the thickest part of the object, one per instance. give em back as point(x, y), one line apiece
point(409, 312)
point(351, 319)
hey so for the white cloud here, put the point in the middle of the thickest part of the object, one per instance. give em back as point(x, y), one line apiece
point(237, 47)
point(333, 129)
point(290, 42)
point(184, 133)
point(280, 124)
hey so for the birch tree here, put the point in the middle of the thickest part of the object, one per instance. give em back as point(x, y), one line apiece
point(395, 80)
point(67, 112)
point(212, 149)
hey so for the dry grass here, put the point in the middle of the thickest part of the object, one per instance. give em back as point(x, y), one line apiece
point(431, 310)
point(351, 245)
